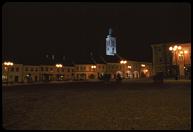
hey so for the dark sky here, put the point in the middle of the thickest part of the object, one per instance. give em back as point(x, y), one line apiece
point(30, 30)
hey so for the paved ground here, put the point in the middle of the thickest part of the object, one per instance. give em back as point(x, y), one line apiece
point(98, 105)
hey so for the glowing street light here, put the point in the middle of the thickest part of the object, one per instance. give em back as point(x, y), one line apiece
point(59, 65)
point(123, 61)
point(129, 67)
point(93, 67)
point(142, 65)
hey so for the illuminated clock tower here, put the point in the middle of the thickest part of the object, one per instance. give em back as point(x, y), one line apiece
point(110, 44)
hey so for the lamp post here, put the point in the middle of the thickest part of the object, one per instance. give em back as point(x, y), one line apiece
point(93, 67)
point(129, 67)
point(143, 66)
point(123, 62)
point(174, 50)
point(7, 66)
point(58, 66)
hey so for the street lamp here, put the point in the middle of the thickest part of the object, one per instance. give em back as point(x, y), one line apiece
point(123, 62)
point(177, 49)
point(93, 67)
point(142, 65)
point(174, 50)
point(7, 65)
point(59, 66)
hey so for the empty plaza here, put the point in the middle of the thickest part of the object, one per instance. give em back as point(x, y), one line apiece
point(127, 105)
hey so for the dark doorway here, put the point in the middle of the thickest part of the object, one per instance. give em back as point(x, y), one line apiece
point(16, 79)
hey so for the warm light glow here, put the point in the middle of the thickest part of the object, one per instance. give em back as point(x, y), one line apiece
point(185, 51)
point(129, 67)
point(179, 47)
point(8, 63)
point(175, 47)
point(170, 48)
point(93, 66)
point(123, 61)
point(181, 52)
point(145, 71)
point(59, 65)
point(142, 65)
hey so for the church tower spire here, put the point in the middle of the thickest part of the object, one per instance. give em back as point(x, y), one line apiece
point(110, 31)
point(110, 44)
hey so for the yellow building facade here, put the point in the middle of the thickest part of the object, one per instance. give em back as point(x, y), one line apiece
point(173, 59)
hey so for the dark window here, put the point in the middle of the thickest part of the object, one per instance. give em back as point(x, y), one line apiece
point(26, 69)
point(36, 69)
point(68, 70)
point(17, 69)
point(42, 69)
point(32, 69)
point(159, 49)
point(160, 60)
point(46, 68)
point(51, 69)
point(62, 69)
point(12, 69)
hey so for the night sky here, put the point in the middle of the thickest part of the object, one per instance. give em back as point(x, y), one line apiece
point(31, 30)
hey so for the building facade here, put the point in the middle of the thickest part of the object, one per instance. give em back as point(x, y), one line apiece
point(31, 73)
point(173, 59)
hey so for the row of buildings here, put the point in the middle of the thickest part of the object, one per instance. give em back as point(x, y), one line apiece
point(79, 71)
point(172, 59)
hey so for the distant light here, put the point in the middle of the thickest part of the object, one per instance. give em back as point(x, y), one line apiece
point(129, 67)
point(175, 47)
point(170, 48)
point(59, 65)
point(93, 66)
point(142, 65)
point(179, 47)
point(185, 51)
point(8, 63)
